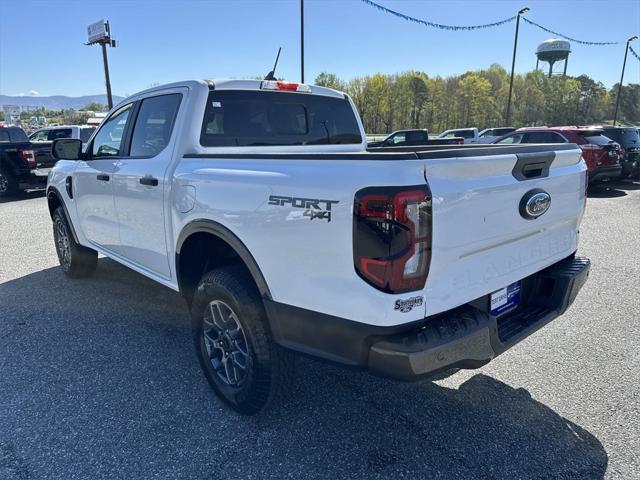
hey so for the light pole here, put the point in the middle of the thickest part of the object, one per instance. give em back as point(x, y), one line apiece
point(301, 41)
point(513, 64)
point(624, 63)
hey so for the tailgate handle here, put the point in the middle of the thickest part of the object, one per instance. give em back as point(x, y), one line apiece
point(533, 165)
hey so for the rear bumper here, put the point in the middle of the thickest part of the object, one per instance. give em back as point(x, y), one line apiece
point(466, 337)
point(469, 338)
point(35, 178)
point(604, 173)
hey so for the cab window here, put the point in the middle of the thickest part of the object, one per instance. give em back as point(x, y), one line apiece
point(398, 138)
point(154, 123)
point(109, 140)
point(59, 133)
point(40, 136)
point(511, 139)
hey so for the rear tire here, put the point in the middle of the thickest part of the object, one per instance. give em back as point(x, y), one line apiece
point(76, 261)
point(242, 363)
point(8, 183)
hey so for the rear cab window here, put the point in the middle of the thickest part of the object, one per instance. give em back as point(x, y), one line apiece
point(265, 118)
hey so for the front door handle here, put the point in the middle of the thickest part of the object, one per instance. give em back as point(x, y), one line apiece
point(152, 182)
point(102, 177)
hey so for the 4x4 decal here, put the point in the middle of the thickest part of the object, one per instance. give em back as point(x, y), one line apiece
point(313, 207)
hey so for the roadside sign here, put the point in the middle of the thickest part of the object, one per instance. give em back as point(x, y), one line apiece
point(11, 114)
point(98, 31)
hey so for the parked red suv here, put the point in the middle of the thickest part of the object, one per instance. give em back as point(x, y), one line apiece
point(601, 154)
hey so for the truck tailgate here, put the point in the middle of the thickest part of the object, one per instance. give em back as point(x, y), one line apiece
point(481, 241)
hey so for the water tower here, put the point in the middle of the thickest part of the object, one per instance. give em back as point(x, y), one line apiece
point(553, 51)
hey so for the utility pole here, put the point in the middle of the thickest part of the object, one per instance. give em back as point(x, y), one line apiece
point(100, 33)
point(301, 41)
point(513, 65)
point(624, 63)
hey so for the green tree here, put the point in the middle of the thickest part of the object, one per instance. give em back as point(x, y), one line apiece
point(94, 107)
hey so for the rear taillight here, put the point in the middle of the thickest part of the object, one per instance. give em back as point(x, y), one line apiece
point(392, 237)
point(28, 156)
point(285, 86)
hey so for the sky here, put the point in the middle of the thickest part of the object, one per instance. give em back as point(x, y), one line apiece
point(42, 49)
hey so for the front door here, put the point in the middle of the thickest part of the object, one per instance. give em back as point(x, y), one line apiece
point(93, 181)
point(139, 183)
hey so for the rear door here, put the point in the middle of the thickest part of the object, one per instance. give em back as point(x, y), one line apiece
point(93, 181)
point(140, 184)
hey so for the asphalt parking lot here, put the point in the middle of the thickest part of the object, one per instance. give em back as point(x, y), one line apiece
point(98, 379)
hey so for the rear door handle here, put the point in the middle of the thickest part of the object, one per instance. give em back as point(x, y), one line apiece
point(152, 182)
point(102, 177)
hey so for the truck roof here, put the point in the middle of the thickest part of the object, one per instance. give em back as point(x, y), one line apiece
point(234, 84)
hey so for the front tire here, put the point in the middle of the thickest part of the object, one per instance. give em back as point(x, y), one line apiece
point(76, 261)
point(238, 356)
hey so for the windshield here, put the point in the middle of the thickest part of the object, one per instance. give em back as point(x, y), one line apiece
point(252, 118)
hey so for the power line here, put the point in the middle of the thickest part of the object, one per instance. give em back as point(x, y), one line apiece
point(441, 26)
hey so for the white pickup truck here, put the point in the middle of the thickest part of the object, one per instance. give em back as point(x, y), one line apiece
point(259, 202)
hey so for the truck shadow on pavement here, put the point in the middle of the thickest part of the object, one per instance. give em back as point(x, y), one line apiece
point(23, 196)
point(98, 378)
point(612, 189)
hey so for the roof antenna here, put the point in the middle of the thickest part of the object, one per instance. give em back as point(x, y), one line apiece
point(271, 75)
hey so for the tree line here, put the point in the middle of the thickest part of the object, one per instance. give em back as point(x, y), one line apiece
point(479, 98)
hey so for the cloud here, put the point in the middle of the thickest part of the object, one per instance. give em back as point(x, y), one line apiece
point(30, 93)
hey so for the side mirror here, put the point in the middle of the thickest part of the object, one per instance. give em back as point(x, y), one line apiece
point(67, 149)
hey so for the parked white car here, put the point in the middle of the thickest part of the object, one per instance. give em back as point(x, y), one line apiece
point(49, 134)
point(488, 135)
point(258, 201)
point(470, 135)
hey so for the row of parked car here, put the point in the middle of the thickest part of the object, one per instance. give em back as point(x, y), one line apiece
point(25, 160)
point(609, 152)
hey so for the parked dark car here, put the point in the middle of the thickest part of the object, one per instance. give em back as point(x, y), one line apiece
point(406, 138)
point(629, 140)
point(601, 154)
point(19, 169)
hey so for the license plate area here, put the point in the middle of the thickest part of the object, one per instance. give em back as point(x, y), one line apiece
point(505, 300)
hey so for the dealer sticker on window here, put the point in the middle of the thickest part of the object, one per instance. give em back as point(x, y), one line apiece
point(505, 299)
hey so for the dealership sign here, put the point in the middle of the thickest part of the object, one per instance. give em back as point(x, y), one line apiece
point(98, 32)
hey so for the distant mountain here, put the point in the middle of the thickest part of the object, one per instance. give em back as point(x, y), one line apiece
point(56, 102)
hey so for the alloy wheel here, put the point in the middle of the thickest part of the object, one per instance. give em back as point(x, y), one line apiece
point(226, 344)
point(62, 243)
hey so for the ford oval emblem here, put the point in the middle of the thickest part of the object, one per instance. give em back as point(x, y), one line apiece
point(534, 203)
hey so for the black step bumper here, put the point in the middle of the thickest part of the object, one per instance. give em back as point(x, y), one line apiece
point(466, 337)
point(469, 337)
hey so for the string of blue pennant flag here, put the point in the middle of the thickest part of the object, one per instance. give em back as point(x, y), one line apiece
point(633, 52)
point(583, 42)
point(438, 25)
point(427, 23)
